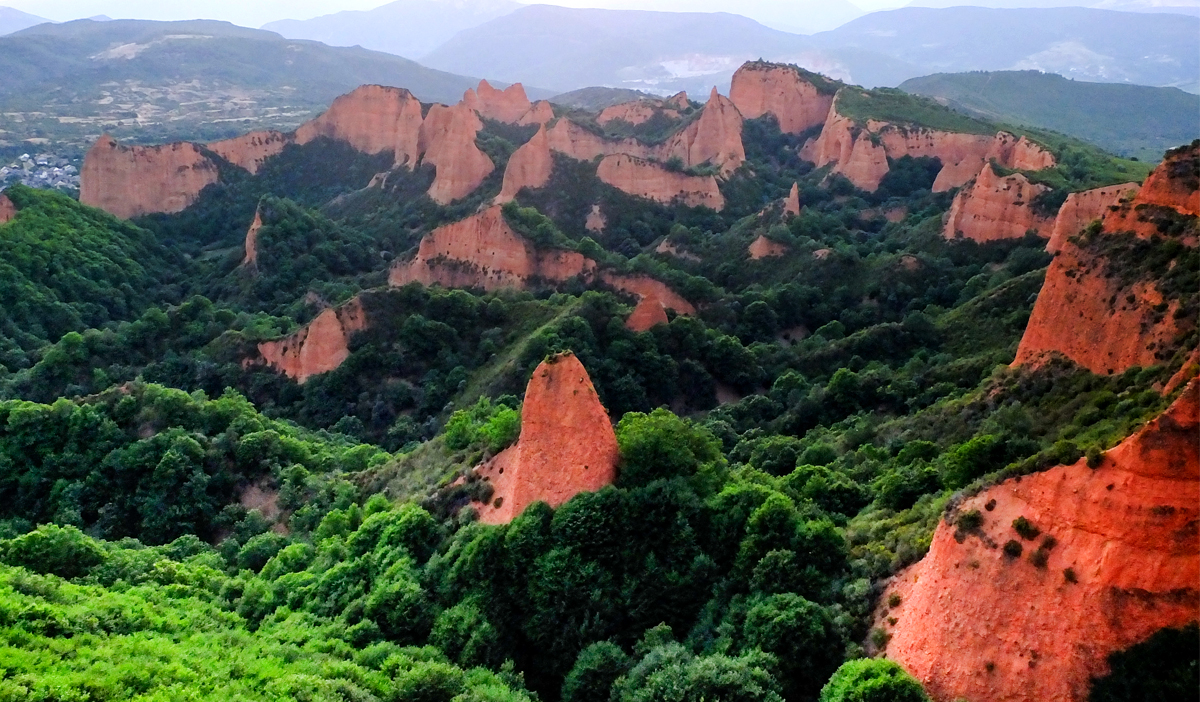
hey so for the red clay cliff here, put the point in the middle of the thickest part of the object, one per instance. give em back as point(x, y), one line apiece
point(782, 91)
point(567, 444)
point(995, 208)
point(128, 181)
point(319, 347)
point(974, 623)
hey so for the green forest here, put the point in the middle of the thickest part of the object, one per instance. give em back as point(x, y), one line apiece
point(180, 521)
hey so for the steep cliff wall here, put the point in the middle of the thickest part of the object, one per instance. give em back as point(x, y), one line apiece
point(572, 140)
point(647, 179)
point(779, 90)
point(447, 140)
point(648, 313)
point(715, 138)
point(528, 167)
point(567, 444)
point(791, 204)
point(542, 112)
point(319, 347)
point(636, 112)
point(128, 181)
point(249, 151)
point(762, 247)
point(508, 105)
point(996, 208)
point(645, 287)
point(974, 623)
point(372, 119)
point(1090, 315)
point(251, 257)
point(1081, 209)
point(7, 209)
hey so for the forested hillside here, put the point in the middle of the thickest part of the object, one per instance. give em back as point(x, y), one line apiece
point(244, 445)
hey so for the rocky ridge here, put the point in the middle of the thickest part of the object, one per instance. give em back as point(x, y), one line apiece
point(319, 347)
point(993, 208)
point(782, 91)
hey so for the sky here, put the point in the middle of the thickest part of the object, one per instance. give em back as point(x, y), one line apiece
point(255, 13)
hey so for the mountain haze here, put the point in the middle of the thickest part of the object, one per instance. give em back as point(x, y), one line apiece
point(14, 20)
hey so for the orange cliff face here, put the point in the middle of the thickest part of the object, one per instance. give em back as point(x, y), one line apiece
point(319, 347)
point(996, 208)
point(7, 209)
point(1093, 318)
point(762, 247)
point(639, 111)
point(529, 167)
point(249, 151)
point(974, 623)
point(372, 119)
point(648, 313)
point(781, 91)
point(716, 137)
point(510, 105)
point(647, 179)
point(128, 181)
point(860, 152)
point(1173, 188)
point(791, 204)
point(1083, 208)
point(447, 139)
point(251, 258)
point(567, 444)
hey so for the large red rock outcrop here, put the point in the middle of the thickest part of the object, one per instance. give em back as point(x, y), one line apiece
point(528, 167)
point(1083, 208)
point(508, 105)
point(372, 119)
point(791, 204)
point(1094, 319)
point(542, 112)
point(762, 247)
point(974, 623)
point(483, 251)
point(249, 151)
point(996, 208)
point(128, 181)
point(251, 257)
point(572, 140)
point(447, 140)
point(647, 179)
point(780, 90)
point(319, 347)
point(648, 313)
point(567, 444)
point(636, 112)
point(715, 138)
point(644, 287)
point(7, 209)
point(860, 151)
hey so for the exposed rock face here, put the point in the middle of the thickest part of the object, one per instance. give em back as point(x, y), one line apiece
point(542, 112)
point(249, 151)
point(447, 139)
point(976, 624)
point(996, 208)
point(648, 313)
point(636, 112)
point(645, 287)
point(1081, 209)
point(1173, 186)
point(128, 181)
point(7, 209)
point(647, 179)
point(1093, 319)
point(528, 167)
point(716, 137)
point(319, 347)
point(572, 140)
point(567, 444)
point(508, 105)
point(483, 251)
point(595, 220)
point(860, 152)
point(791, 204)
point(372, 119)
point(762, 247)
point(251, 258)
point(781, 91)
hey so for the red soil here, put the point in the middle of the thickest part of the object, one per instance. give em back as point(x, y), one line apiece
point(648, 313)
point(128, 181)
point(996, 208)
point(781, 91)
point(319, 347)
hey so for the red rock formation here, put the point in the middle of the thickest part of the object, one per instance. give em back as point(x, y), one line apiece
point(644, 287)
point(996, 208)
point(781, 91)
point(319, 347)
point(572, 140)
point(1174, 185)
point(862, 162)
point(762, 247)
point(715, 138)
point(251, 258)
point(528, 167)
point(1020, 154)
point(372, 119)
point(976, 624)
point(128, 181)
point(648, 313)
point(567, 444)
point(1093, 319)
point(636, 112)
point(542, 112)
point(249, 151)
point(649, 180)
point(595, 220)
point(1081, 209)
point(447, 140)
point(483, 251)
point(508, 105)
point(7, 209)
point(791, 204)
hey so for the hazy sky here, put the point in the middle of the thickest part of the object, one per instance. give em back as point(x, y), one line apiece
point(254, 13)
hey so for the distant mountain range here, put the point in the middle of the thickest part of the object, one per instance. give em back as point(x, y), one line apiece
point(409, 28)
point(154, 81)
point(566, 49)
point(14, 20)
point(1129, 120)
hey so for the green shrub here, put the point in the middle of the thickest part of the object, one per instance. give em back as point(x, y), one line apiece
point(54, 550)
point(872, 680)
point(1026, 529)
point(1013, 549)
